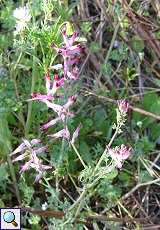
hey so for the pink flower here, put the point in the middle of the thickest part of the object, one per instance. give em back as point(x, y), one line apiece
point(21, 157)
point(24, 145)
point(119, 155)
point(75, 134)
point(52, 88)
point(72, 39)
point(43, 168)
point(56, 67)
point(33, 161)
point(26, 166)
point(72, 76)
point(57, 135)
point(35, 96)
point(123, 106)
point(57, 83)
point(72, 61)
point(71, 100)
point(52, 122)
point(57, 108)
point(58, 50)
point(64, 132)
point(124, 152)
point(69, 42)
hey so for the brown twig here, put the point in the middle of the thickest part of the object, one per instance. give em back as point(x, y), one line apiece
point(60, 215)
point(114, 101)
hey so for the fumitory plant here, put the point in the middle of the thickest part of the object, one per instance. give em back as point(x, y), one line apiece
point(59, 100)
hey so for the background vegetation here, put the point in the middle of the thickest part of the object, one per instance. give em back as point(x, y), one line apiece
point(121, 60)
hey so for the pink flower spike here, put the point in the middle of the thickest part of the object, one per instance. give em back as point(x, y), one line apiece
point(58, 50)
point(65, 38)
point(123, 106)
point(35, 96)
point(57, 135)
point(19, 149)
point(73, 61)
point(21, 157)
point(71, 100)
point(52, 122)
point(72, 76)
point(56, 67)
point(75, 134)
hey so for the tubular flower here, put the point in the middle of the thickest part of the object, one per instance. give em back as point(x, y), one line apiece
point(57, 108)
point(69, 42)
point(76, 133)
point(52, 122)
point(35, 96)
point(71, 100)
point(60, 133)
point(52, 88)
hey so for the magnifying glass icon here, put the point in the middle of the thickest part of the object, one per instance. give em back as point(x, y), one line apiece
point(9, 217)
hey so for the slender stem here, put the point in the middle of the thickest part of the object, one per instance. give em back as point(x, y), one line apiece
point(34, 68)
point(7, 149)
point(79, 199)
point(105, 151)
point(80, 158)
point(49, 187)
point(14, 74)
point(30, 105)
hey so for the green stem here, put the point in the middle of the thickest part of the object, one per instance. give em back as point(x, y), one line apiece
point(105, 151)
point(114, 36)
point(15, 184)
point(79, 199)
point(30, 104)
point(80, 158)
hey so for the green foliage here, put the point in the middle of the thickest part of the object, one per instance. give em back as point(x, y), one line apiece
point(27, 191)
point(24, 58)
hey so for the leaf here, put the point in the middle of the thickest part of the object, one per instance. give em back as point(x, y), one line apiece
point(84, 152)
point(155, 132)
point(137, 44)
point(123, 176)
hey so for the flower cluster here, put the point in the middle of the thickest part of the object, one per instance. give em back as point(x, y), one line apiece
point(31, 154)
point(49, 99)
point(51, 88)
point(123, 106)
point(24, 16)
point(119, 155)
